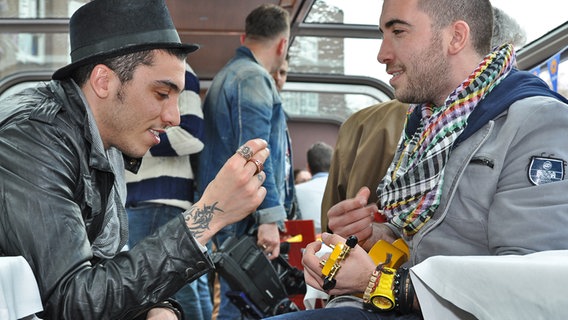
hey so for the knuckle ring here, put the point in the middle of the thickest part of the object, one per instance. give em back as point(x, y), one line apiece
point(245, 151)
point(258, 164)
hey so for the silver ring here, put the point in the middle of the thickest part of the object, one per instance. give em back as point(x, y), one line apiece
point(245, 151)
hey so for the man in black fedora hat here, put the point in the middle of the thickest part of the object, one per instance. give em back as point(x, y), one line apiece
point(62, 146)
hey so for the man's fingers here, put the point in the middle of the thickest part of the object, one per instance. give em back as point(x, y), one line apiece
point(251, 147)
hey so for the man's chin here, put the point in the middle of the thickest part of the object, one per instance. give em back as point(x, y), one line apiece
point(135, 153)
point(400, 96)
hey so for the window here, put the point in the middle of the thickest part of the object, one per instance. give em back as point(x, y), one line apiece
point(328, 100)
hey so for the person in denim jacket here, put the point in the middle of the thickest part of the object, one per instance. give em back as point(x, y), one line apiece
point(243, 102)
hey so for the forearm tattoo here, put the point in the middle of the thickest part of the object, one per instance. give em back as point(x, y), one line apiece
point(198, 219)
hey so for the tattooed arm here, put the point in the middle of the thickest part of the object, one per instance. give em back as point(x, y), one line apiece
point(235, 192)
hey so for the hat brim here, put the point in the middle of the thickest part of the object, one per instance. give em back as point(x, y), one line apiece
point(66, 71)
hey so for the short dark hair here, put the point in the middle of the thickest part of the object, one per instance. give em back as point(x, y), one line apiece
point(267, 21)
point(478, 14)
point(319, 157)
point(124, 65)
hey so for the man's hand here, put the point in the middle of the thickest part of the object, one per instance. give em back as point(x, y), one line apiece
point(161, 314)
point(268, 239)
point(235, 192)
point(351, 278)
point(353, 216)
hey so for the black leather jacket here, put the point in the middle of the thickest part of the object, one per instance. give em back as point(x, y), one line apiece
point(53, 192)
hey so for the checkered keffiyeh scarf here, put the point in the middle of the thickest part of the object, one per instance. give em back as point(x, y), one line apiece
point(411, 189)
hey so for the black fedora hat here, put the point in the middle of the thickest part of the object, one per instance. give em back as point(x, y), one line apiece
point(108, 28)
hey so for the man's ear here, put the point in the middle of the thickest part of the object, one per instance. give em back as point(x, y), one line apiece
point(282, 46)
point(100, 80)
point(460, 35)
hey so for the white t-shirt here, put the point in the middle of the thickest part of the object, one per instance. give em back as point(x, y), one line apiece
point(309, 195)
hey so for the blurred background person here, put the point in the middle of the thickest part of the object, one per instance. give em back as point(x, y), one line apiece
point(506, 30)
point(301, 175)
point(290, 203)
point(310, 193)
point(243, 102)
point(281, 75)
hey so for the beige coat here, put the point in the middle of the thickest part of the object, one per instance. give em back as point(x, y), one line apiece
point(367, 141)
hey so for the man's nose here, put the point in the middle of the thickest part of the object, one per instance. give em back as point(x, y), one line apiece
point(385, 54)
point(171, 114)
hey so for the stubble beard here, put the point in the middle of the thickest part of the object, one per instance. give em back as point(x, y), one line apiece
point(428, 75)
point(121, 126)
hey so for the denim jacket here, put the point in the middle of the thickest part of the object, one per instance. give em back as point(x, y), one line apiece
point(241, 104)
